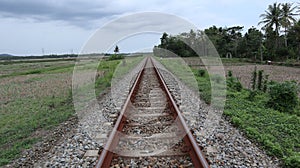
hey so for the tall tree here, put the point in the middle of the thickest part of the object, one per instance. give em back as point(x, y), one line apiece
point(253, 39)
point(218, 38)
point(234, 34)
point(116, 50)
point(294, 39)
point(164, 40)
point(270, 38)
point(287, 18)
point(271, 17)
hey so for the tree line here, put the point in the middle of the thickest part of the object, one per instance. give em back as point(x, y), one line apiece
point(277, 40)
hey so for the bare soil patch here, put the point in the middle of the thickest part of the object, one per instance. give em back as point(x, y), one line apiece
point(276, 73)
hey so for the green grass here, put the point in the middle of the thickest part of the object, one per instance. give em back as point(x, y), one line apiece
point(127, 65)
point(278, 133)
point(181, 70)
point(204, 86)
point(114, 69)
point(17, 67)
point(28, 61)
point(21, 115)
point(103, 82)
point(52, 69)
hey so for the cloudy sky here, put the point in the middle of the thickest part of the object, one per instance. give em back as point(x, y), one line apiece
point(34, 27)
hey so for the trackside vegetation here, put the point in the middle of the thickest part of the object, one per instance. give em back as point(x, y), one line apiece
point(269, 118)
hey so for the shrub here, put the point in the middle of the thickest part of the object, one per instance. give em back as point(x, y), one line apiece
point(260, 80)
point(265, 83)
point(201, 72)
point(233, 83)
point(252, 94)
point(115, 57)
point(253, 81)
point(229, 73)
point(230, 78)
point(283, 96)
point(237, 86)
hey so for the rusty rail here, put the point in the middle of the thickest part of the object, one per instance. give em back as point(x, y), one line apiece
point(196, 155)
point(106, 156)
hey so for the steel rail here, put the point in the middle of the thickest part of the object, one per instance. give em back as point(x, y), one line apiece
point(106, 156)
point(195, 153)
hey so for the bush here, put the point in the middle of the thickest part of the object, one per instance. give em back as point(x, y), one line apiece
point(252, 94)
point(201, 72)
point(283, 96)
point(230, 74)
point(233, 83)
point(260, 80)
point(115, 57)
point(265, 83)
point(253, 81)
point(230, 79)
point(238, 86)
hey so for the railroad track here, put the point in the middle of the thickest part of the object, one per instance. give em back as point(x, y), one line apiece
point(150, 130)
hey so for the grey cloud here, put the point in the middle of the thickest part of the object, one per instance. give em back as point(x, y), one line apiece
point(82, 13)
point(74, 12)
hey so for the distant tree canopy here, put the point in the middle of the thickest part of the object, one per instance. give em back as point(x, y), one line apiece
point(278, 40)
point(177, 44)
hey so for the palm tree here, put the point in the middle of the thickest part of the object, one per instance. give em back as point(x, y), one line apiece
point(287, 18)
point(271, 17)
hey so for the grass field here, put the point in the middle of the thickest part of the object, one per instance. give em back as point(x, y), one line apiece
point(37, 95)
point(33, 96)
